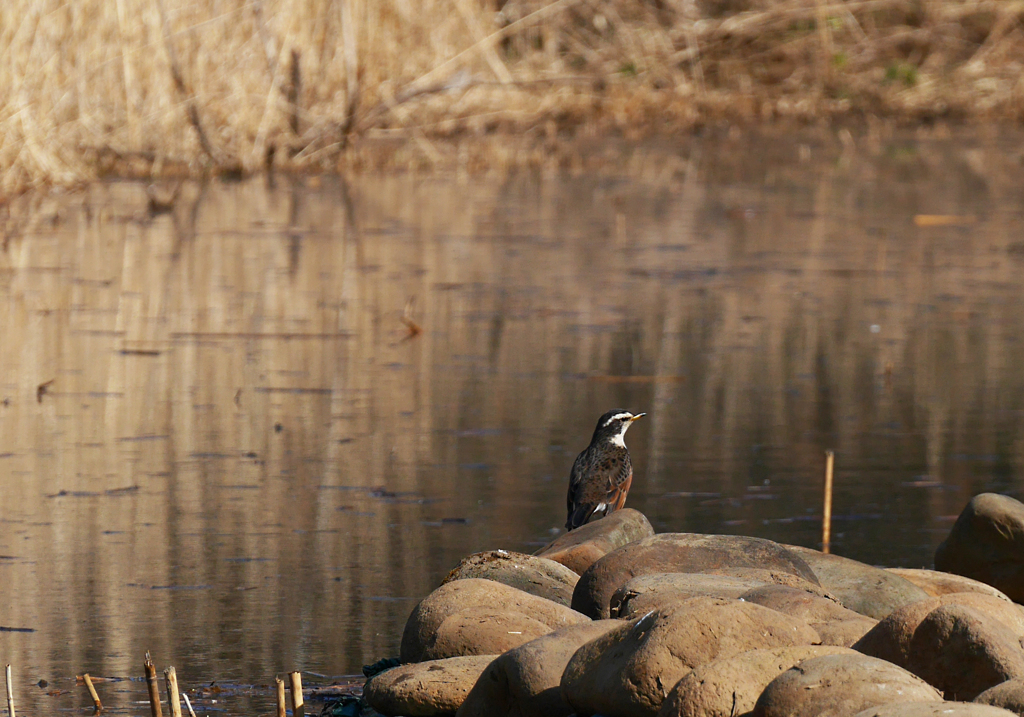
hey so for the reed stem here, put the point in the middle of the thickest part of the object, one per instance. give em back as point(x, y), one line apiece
point(10, 694)
point(826, 516)
point(191, 712)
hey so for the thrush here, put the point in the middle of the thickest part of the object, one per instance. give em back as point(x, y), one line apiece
point(601, 474)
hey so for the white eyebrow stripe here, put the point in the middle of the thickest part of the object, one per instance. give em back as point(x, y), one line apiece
point(618, 417)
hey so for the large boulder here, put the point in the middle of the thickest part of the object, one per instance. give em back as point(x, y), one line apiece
point(835, 624)
point(890, 639)
point(425, 689)
point(629, 671)
point(963, 653)
point(730, 686)
point(678, 553)
point(648, 592)
point(537, 576)
point(987, 544)
point(936, 582)
point(860, 587)
point(525, 682)
point(421, 630)
point(482, 631)
point(579, 549)
point(839, 685)
point(1009, 695)
point(934, 709)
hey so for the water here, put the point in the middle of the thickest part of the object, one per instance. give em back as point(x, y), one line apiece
point(222, 442)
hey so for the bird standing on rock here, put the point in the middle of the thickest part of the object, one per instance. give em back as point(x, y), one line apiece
point(602, 473)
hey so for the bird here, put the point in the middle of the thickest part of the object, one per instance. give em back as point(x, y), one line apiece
point(602, 473)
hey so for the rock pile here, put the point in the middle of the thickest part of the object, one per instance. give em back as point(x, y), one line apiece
point(614, 620)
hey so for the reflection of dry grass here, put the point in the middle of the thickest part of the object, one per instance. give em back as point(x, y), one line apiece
point(168, 86)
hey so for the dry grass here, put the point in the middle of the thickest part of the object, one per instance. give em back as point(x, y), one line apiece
point(156, 87)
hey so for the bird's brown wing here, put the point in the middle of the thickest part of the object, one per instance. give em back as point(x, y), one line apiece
point(596, 485)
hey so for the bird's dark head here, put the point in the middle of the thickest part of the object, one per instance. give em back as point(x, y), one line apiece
point(613, 425)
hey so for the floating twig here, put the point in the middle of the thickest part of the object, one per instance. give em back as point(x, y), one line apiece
point(298, 710)
point(154, 688)
point(92, 693)
point(826, 517)
point(10, 694)
point(279, 683)
point(171, 678)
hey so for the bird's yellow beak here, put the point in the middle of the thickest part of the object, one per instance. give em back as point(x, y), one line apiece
point(639, 415)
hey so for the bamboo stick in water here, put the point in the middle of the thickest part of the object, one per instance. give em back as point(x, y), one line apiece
point(298, 710)
point(154, 688)
point(281, 711)
point(92, 693)
point(171, 678)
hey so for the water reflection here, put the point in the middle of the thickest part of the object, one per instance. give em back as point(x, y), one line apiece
point(222, 442)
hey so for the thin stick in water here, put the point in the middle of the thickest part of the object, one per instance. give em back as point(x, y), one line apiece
point(92, 693)
point(154, 687)
point(171, 678)
point(10, 694)
point(191, 712)
point(298, 710)
point(826, 517)
point(281, 712)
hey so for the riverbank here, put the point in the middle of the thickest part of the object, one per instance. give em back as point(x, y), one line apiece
point(172, 88)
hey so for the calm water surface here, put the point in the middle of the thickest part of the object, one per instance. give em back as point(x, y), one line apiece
point(220, 441)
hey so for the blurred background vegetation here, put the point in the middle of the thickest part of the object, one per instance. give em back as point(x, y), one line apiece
point(162, 87)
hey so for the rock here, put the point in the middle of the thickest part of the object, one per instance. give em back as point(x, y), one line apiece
point(482, 631)
point(934, 709)
point(423, 689)
point(730, 686)
point(537, 576)
point(678, 553)
point(459, 595)
point(839, 685)
point(963, 653)
point(524, 682)
point(647, 592)
point(629, 671)
point(579, 549)
point(987, 544)
point(860, 587)
point(1009, 695)
point(890, 639)
point(835, 624)
point(936, 583)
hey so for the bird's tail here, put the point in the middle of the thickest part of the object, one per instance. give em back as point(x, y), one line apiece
point(579, 516)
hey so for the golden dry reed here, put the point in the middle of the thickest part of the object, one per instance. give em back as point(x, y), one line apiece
point(158, 87)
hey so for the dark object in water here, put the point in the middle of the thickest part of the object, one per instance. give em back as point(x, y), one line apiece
point(344, 706)
point(380, 666)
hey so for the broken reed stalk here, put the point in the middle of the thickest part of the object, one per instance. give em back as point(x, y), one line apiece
point(92, 693)
point(281, 711)
point(826, 516)
point(171, 678)
point(191, 712)
point(154, 688)
point(10, 694)
point(298, 710)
